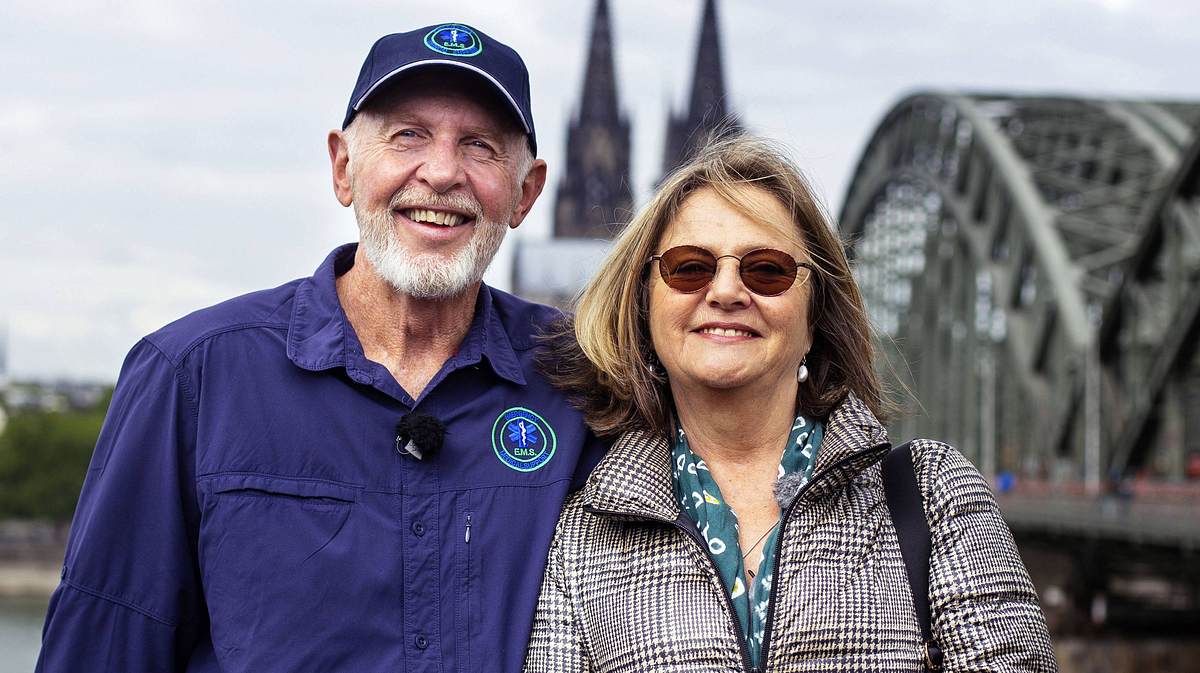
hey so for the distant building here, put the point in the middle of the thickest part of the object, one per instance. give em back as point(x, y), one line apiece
point(552, 271)
point(53, 396)
point(595, 195)
point(594, 198)
point(707, 113)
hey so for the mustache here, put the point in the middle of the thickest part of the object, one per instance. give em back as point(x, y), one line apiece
point(413, 197)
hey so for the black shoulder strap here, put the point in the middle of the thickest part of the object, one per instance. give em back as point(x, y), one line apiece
point(908, 516)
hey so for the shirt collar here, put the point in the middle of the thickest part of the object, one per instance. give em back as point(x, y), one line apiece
point(488, 338)
point(320, 335)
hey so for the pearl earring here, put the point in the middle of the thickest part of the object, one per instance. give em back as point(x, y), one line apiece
point(802, 372)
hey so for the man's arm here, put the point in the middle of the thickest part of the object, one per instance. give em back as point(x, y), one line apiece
point(130, 597)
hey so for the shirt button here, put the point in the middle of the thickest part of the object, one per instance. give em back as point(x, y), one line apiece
point(421, 642)
point(418, 528)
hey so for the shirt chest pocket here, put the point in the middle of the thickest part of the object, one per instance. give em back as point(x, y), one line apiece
point(265, 541)
point(286, 518)
point(310, 494)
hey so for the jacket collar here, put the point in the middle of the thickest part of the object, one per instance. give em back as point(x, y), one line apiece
point(320, 335)
point(634, 478)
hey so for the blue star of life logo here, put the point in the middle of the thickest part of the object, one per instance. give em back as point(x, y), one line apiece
point(522, 439)
point(523, 434)
point(454, 39)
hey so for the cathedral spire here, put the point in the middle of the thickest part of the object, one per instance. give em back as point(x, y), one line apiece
point(708, 79)
point(707, 113)
point(594, 197)
point(599, 100)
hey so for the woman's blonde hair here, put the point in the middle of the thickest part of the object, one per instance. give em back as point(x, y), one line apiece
point(609, 366)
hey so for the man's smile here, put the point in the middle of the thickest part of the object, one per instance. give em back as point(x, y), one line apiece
point(430, 216)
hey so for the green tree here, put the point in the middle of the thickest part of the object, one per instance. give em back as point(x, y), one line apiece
point(43, 459)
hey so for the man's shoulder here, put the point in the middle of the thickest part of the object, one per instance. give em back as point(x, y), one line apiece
point(524, 321)
point(264, 309)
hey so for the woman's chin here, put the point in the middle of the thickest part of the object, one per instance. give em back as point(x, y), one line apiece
point(721, 379)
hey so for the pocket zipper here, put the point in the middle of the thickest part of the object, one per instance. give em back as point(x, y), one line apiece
point(467, 536)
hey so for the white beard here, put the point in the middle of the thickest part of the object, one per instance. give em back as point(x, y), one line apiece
point(428, 275)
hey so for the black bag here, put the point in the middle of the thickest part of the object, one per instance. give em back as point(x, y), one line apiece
point(908, 516)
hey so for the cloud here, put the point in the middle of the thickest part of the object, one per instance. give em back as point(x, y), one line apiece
point(159, 156)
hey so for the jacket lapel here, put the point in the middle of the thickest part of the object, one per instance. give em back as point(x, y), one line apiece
point(854, 440)
point(634, 479)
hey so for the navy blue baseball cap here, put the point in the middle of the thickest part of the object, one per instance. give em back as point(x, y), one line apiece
point(453, 45)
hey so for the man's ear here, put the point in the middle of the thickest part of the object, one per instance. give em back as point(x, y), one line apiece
point(339, 159)
point(531, 187)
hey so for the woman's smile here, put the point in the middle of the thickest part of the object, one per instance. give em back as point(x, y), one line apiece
point(724, 332)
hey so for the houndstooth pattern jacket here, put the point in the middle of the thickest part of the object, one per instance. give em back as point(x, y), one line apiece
point(629, 585)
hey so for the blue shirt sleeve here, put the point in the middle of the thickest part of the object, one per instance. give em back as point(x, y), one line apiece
point(130, 597)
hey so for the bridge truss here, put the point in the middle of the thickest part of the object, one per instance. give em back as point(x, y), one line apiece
point(1033, 266)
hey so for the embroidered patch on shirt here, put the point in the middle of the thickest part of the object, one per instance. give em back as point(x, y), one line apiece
point(522, 439)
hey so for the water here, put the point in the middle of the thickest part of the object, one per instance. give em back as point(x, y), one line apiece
point(20, 633)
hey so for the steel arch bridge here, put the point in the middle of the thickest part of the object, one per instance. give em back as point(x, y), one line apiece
point(1033, 266)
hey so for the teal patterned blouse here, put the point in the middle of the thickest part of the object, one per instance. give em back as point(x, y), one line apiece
point(700, 498)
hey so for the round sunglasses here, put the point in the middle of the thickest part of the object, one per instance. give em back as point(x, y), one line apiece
point(765, 272)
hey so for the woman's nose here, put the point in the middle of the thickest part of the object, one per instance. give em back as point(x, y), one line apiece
point(726, 289)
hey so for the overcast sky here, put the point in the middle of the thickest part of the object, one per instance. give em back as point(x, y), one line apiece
point(157, 157)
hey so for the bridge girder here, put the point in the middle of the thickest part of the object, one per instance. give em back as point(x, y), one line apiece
point(1148, 341)
point(991, 235)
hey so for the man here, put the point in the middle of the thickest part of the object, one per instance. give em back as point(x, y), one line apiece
point(356, 471)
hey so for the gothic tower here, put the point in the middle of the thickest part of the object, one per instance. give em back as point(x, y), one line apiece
point(707, 113)
point(594, 197)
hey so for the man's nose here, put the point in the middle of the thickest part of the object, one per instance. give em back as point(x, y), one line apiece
point(442, 168)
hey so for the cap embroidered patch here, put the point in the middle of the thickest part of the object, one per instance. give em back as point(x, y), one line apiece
point(522, 439)
point(454, 39)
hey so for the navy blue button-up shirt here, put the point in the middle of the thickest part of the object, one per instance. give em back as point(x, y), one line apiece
point(247, 509)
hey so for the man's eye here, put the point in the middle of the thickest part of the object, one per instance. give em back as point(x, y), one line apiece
point(406, 135)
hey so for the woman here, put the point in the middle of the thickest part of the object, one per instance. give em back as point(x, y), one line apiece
point(739, 521)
